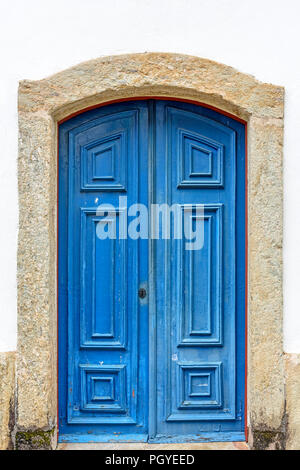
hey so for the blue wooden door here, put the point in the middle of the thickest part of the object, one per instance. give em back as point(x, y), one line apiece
point(200, 293)
point(103, 325)
point(151, 334)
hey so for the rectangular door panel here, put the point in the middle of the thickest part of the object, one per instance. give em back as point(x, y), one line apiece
point(200, 281)
point(103, 297)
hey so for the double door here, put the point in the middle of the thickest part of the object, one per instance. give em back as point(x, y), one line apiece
point(151, 274)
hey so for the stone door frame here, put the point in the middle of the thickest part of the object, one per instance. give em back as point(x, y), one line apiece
point(45, 103)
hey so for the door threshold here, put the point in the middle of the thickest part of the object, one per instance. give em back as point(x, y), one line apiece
point(102, 438)
point(125, 446)
point(116, 439)
point(204, 437)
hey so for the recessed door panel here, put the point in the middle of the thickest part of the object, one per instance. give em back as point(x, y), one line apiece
point(200, 281)
point(103, 298)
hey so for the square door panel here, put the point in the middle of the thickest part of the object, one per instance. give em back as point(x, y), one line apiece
point(200, 386)
point(102, 150)
point(103, 388)
point(200, 161)
point(197, 393)
point(104, 163)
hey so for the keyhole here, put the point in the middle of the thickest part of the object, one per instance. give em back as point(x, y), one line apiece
point(142, 293)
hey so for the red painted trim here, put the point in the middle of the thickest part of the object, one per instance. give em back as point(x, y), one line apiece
point(57, 277)
point(141, 98)
point(220, 111)
point(246, 281)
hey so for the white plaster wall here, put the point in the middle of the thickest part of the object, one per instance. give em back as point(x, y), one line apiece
point(39, 38)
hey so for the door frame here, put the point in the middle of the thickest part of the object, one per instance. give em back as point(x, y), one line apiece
point(46, 103)
point(152, 417)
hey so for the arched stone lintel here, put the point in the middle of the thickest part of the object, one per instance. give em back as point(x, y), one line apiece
point(151, 74)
